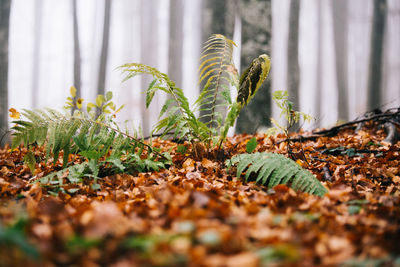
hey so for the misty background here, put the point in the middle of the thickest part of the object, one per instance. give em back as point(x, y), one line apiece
point(337, 58)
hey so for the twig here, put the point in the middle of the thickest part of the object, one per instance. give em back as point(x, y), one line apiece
point(335, 129)
point(338, 127)
point(342, 150)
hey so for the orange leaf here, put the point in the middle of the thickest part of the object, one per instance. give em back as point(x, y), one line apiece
point(14, 113)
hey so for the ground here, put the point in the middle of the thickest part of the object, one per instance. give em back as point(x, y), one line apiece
point(197, 213)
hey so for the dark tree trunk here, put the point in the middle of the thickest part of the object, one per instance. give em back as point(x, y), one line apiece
point(5, 6)
point(36, 52)
point(293, 72)
point(340, 30)
point(256, 18)
point(175, 41)
point(376, 54)
point(104, 49)
point(77, 53)
point(218, 19)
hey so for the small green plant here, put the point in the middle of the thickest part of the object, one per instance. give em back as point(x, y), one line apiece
point(218, 72)
point(281, 98)
point(251, 145)
point(272, 169)
point(103, 103)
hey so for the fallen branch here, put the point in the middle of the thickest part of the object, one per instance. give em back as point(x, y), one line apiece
point(391, 130)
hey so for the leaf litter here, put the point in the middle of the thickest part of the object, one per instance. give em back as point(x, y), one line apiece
point(197, 213)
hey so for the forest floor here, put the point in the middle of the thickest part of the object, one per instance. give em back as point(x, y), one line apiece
point(197, 213)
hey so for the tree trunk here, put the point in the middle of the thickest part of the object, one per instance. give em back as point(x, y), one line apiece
point(149, 42)
point(175, 41)
point(5, 6)
point(215, 20)
point(376, 54)
point(237, 38)
point(36, 52)
point(320, 62)
point(219, 19)
point(104, 49)
point(256, 18)
point(293, 73)
point(77, 53)
point(340, 32)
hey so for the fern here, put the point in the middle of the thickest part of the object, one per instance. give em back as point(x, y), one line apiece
point(218, 72)
point(95, 140)
point(75, 174)
point(273, 169)
point(180, 116)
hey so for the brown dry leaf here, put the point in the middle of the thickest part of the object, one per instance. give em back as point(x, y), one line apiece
point(206, 163)
point(247, 259)
point(188, 165)
point(107, 218)
point(42, 230)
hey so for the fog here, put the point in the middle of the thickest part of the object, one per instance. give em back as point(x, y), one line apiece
point(41, 53)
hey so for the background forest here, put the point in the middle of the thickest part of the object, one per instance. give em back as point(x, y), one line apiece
point(338, 59)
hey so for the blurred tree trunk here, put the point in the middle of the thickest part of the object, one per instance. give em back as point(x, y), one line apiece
point(104, 49)
point(36, 52)
point(320, 62)
point(340, 32)
point(376, 54)
point(237, 38)
point(175, 51)
point(217, 20)
point(148, 47)
point(77, 53)
point(293, 72)
point(5, 6)
point(256, 18)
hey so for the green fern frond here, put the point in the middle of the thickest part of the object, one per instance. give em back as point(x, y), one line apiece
point(30, 161)
point(62, 132)
point(218, 71)
point(273, 169)
point(161, 82)
point(175, 114)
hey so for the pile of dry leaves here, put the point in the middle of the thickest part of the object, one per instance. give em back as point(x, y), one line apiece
point(197, 213)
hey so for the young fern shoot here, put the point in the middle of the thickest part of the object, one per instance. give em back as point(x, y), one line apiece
point(218, 72)
point(250, 81)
